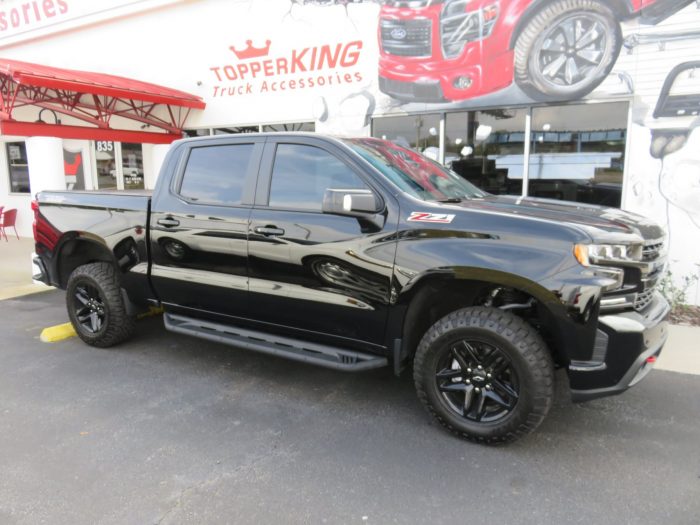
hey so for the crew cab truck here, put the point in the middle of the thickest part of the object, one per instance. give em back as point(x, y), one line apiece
point(356, 254)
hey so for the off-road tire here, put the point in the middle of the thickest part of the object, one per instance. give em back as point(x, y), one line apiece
point(118, 326)
point(529, 357)
point(526, 68)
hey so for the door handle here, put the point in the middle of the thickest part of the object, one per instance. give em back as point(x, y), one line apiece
point(269, 231)
point(168, 222)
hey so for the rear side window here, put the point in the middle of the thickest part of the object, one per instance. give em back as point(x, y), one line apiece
point(302, 174)
point(216, 174)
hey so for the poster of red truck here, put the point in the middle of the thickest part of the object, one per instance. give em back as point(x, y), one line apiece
point(553, 50)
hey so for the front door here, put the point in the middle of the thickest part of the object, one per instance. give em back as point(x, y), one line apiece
point(199, 227)
point(310, 272)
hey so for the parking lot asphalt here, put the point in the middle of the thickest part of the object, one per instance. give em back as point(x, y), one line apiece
point(169, 429)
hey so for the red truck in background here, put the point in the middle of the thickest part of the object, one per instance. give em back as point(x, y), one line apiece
point(449, 50)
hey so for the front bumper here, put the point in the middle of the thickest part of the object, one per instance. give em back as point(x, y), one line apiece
point(432, 79)
point(630, 341)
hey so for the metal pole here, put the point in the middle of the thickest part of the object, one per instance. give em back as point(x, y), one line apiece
point(526, 152)
point(441, 154)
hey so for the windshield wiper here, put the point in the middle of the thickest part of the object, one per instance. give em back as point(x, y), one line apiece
point(451, 200)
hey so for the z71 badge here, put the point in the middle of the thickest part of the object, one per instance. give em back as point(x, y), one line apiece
point(419, 216)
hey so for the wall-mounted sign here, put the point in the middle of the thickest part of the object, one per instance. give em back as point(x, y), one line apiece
point(104, 146)
point(22, 20)
point(254, 70)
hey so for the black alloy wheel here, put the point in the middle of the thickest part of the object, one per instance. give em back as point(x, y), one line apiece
point(89, 308)
point(478, 381)
point(484, 374)
point(96, 306)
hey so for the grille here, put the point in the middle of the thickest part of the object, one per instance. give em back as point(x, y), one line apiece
point(644, 298)
point(458, 27)
point(652, 250)
point(406, 38)
point(652, 254)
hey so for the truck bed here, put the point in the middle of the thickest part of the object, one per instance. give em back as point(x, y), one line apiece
point(111, 222)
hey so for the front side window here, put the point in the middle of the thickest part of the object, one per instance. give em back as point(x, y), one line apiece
point(302, 174)
point(18, 168)
point(415, 174)
point(216, 174)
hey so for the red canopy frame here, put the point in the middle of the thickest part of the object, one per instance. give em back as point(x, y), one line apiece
point(93, 98)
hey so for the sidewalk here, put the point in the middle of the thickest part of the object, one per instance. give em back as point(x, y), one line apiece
point(16, 268)
point(682, 350)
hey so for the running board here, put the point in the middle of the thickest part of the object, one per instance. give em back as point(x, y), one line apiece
point(314, 353)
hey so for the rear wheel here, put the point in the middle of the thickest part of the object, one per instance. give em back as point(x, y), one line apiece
point(95, 305)
point(567, 49)
point(484, 374)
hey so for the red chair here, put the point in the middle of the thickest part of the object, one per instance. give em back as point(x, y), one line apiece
point(8, 219)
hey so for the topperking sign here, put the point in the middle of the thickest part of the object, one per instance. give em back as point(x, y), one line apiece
point(260, 70)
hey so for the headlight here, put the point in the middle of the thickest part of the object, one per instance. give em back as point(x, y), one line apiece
point(588, 254)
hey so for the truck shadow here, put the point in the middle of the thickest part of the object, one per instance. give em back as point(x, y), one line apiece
point(381, 397)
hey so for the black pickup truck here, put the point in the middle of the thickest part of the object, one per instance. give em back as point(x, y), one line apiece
point(356, 254)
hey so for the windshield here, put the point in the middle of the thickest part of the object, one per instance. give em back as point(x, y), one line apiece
point(413, 173)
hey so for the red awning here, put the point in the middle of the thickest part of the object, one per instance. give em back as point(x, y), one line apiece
point(91, 98)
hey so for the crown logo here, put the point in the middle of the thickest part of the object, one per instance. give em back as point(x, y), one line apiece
point(250, 51)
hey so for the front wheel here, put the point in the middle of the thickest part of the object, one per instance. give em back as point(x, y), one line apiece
point(96, 307)
point(484, 374)
point(567, 49)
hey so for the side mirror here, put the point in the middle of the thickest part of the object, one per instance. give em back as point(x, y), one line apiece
point(353, 203)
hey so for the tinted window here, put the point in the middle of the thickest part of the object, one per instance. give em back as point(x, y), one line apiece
point(216, 174)
point(302, 174)
point(414, 173)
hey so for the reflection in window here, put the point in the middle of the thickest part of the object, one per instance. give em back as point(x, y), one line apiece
point(302, 174)
point(291, 126)
point(418, 132)
point(132, 166)
point(577, 152)
point(18, 169)
point(486, 148)
point(234, 130)
point(216, 174)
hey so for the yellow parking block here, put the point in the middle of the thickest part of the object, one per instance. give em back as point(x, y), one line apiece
point(53, 334)
point(152, 310)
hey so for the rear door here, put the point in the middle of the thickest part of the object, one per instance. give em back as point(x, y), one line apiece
point(199, 226)
point(310, 272)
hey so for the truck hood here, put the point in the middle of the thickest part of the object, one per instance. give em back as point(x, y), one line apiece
point(600, 223)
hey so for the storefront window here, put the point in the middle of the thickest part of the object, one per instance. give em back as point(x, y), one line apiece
point(18, 169)
point(196, 132)
point(418, 132)
point(73, 169)
point(105, 155)
point(486, 148)
point(577, 153)
point(132, 166)
point(290, 126)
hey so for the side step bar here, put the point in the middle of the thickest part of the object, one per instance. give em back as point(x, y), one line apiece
point(314, 353)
